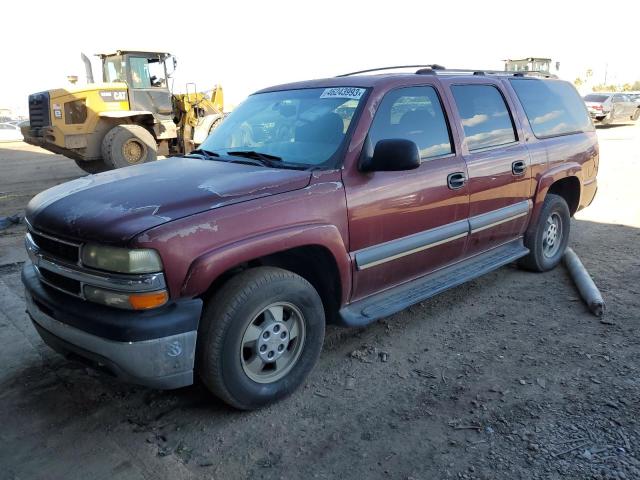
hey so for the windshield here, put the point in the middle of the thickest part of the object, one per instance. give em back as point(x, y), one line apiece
point(113, 69)
point(304, 127)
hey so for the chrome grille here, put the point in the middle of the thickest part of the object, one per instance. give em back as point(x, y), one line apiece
point(56, 248)
point(60, 282)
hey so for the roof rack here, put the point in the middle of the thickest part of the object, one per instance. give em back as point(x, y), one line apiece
point(431, 67)
point(435, 69)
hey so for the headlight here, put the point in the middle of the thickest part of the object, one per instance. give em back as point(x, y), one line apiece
point(131, 301)
point(121, 260)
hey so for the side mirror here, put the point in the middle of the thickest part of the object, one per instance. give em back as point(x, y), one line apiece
point(392, 155)
point(170, 64)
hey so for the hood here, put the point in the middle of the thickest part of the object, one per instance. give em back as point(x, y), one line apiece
point(114, 206)
point(87, 87)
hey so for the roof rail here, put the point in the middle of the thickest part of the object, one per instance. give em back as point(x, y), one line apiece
point(431, 67)
point(435, 69)
point(482, 71)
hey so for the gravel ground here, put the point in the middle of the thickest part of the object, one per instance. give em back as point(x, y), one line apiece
point(506, 377)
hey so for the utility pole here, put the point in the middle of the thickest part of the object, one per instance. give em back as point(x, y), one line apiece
point(606, 67)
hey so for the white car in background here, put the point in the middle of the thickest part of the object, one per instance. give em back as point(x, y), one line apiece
point(10, 133)
point(611, 107)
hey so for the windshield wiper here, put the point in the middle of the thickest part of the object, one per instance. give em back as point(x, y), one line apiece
point(265, 159)
point(202, 153)
point(261, 157)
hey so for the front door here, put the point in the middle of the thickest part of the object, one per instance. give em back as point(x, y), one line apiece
point(405, 224)
point(148, 90)
point(498, 164)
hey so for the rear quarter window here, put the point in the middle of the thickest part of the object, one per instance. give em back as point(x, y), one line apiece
point(553, 107)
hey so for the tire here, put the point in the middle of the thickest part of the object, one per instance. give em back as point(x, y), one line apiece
point(93, 166)
point(636, 114)
point(126, 145)
point(229, 363)
point(544, 255)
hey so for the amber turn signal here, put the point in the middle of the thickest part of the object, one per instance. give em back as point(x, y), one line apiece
point(144, 301)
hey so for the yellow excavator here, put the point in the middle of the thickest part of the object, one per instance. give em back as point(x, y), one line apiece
point(131, 117)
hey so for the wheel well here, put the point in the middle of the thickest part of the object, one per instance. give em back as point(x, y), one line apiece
point(569, 189)
point(313, 263)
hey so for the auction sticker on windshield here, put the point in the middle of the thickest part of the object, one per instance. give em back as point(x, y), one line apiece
point(343, 92)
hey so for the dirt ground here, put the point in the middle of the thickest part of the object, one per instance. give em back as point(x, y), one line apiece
point(507, 377)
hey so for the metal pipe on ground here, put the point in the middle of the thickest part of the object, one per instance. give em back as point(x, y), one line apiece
point(588, 290)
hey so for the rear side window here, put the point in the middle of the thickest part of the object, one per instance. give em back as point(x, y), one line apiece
point(413, 113)
point(553, 107)
point(485, 117)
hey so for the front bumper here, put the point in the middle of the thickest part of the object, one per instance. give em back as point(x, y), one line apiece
point(155, 348)
point(45, 138)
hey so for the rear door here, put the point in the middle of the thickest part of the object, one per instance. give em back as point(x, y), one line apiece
point(405, 224)
point(497, 161)
point(620, 107)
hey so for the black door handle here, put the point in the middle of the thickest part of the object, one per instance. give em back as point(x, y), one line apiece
point(456, 180)
point(518, 167)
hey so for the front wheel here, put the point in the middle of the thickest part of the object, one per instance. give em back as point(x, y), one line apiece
point(636, 114)
point(126, 145)
point(259, 337)
point(547, 239)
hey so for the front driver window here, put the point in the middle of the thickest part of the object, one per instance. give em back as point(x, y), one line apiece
point(413, 113)
point(147, 72)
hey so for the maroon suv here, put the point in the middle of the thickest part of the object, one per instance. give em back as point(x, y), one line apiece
point(341, 200)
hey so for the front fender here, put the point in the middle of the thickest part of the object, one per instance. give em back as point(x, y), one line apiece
point(209, 266)
point(548, 178)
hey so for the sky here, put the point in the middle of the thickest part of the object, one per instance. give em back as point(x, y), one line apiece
point(245, 46)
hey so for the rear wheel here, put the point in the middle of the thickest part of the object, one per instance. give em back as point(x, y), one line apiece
point(636, 114)
point(94, 166)
point(260, 336)
point(126, 145)
point(548, 238)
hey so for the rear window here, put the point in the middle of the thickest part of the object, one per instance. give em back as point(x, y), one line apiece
point(595, 98)
point(553, 107)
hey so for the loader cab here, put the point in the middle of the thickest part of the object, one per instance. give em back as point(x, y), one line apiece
point(145, 73)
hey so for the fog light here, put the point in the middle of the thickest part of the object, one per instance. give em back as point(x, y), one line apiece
point(130, 301)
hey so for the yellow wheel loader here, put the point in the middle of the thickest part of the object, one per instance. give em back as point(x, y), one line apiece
point(130, 118)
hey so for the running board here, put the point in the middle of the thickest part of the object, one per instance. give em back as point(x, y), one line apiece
point(388, 302)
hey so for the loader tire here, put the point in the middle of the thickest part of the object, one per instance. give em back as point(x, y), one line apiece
point(126, 145)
